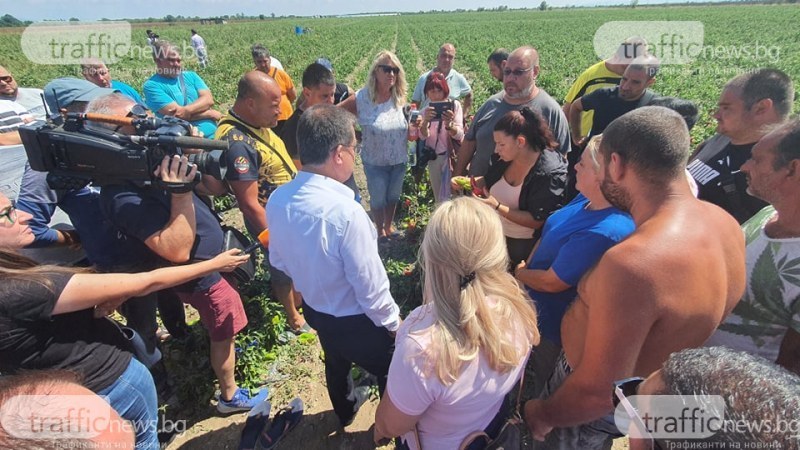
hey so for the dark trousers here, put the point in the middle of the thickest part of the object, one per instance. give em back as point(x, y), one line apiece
point(140, 314)
point(346, 341)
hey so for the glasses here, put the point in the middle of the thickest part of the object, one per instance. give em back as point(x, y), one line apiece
point(628, 388)
point(7, 79)
point(356, 148)
point(516, 72)
point(389, 69)
point(10, 213)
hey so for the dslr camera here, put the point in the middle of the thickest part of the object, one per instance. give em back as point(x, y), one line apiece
point(425, 154)
point(75, 154)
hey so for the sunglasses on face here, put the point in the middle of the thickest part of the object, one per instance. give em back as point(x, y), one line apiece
point(389, 69)
point(516, 72)
point(10, 213)
point(7, 79)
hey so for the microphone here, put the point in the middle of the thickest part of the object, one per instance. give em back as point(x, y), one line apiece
point(262, 241)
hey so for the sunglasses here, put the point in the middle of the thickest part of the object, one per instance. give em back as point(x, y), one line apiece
point(389, 69)
point(7, 79)
point(516, 72)
point(10, 213)
point(628, 388)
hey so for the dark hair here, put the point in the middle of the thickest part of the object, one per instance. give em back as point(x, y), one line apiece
point(259, 51)
point(754, 390)
point(194, 32)
point(320, 129)
point(436, 80)
point(14, 266)
point(498, 56)
point(531, 125)
point(686, 108)
point(765, 83)
point(317, 74)
point(788, 148)
point(653, 139)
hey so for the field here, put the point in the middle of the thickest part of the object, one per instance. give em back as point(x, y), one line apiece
point(564, 40)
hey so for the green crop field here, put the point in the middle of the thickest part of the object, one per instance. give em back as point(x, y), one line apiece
point(563, 37)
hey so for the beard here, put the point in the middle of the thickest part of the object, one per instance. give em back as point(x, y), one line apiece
point(522, 94)
point(615, 194)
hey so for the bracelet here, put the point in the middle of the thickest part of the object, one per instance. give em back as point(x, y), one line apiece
point(497, 208)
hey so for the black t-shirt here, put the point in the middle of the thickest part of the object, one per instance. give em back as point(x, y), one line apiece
point(142, 212)
point(32, 338)
point(721, 182)
point(607, 106)
point(289, 133)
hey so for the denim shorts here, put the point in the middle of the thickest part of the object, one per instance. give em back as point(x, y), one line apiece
point(384, 183)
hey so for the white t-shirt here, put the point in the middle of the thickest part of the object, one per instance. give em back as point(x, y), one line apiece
point(448, 413)
point(198, 42)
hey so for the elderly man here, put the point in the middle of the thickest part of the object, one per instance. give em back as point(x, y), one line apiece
point(259, 163)
point(263, 63)
point(749, 105)
point(519, 91)
point(96, 72)
point(604, 74)
point(175, 92)
point(671, 300)
point(766, 322)
point(459, 87)
point(326, 242)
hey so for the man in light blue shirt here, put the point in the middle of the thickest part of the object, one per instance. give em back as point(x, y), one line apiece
point(175, 92)
point(327, 244)
point(459, 87)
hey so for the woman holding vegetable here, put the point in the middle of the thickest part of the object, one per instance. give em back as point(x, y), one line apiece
point(526, 179)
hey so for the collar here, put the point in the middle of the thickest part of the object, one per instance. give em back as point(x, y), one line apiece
point(326, 181)
point(244, 122)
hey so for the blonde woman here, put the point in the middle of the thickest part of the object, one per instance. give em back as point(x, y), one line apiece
point(463, 350)
point(384, 137)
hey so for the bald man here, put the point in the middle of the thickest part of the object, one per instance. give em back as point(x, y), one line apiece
point(258, 163)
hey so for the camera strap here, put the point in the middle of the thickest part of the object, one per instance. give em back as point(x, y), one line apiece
point(244, 129)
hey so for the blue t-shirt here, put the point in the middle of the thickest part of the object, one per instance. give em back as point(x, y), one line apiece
point(573, 240)
point(126, 90)
point(161, 91)
point(141, 212)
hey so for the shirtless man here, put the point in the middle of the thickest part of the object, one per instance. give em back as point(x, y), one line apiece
point(665, 288)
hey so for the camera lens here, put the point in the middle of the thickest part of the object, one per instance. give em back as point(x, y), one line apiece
point(210, 163)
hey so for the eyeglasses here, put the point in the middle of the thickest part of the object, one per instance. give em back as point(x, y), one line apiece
point(10, 213)
point(356, 148)
point(389, 69)
point(628, 388)
point(516, 72)
point(7, 79)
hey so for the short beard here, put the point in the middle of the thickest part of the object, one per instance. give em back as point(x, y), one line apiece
point(615, 194)
point(523, 94)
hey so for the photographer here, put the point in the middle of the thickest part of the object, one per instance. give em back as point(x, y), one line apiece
point(438, 130)
point(175, 226)
point(53, 318)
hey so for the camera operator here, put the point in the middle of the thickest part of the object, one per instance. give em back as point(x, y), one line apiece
point(439, 129)
point(176, 226)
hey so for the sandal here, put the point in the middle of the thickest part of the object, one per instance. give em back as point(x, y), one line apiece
point(306, 328)
point(284, 421)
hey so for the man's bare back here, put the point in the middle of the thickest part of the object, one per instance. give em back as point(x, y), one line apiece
point(665, 288)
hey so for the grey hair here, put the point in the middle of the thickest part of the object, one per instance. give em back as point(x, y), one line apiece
point(114, 104)
point(653, 139)
point(321, 128)
point(259, 51)
point(788, 148)
point(162, 48)
point(754, 390)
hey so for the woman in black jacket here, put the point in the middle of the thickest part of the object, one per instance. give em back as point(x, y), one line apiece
point(526, 179)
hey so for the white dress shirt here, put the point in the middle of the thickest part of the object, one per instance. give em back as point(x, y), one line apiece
point(325, 241)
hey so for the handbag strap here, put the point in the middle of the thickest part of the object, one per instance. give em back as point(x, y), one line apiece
point(183, 88)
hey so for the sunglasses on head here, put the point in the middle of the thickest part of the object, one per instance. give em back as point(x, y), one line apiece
point(7, 79)
point(389, 69)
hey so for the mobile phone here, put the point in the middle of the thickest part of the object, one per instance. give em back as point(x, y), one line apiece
point(440, 107)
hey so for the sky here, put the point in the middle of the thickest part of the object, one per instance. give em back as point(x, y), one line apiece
point(36, 10)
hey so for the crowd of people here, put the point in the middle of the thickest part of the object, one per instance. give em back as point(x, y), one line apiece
point(567, 255)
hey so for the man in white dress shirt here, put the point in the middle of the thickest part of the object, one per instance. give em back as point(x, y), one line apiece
point(325, 241)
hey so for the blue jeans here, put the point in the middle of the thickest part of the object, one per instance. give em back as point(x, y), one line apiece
point(133, 396)
point(384, 183)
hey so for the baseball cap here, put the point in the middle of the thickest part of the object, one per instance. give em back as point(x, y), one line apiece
point(62, 92)
point(325, 62)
